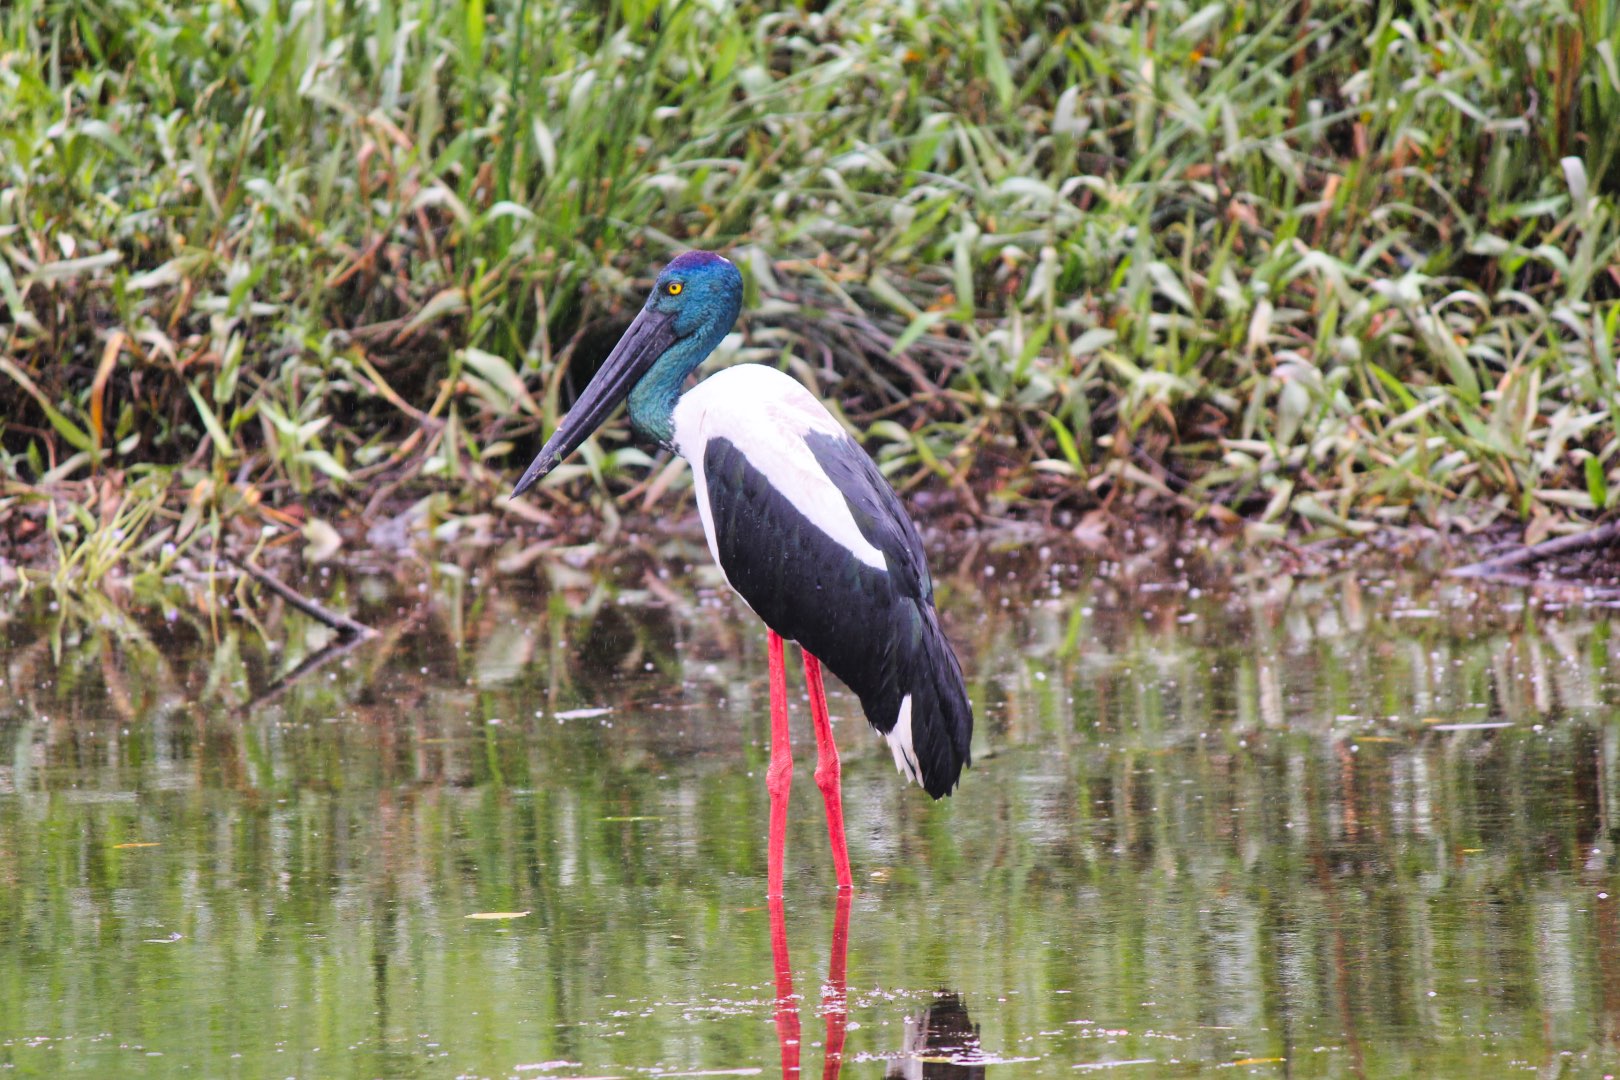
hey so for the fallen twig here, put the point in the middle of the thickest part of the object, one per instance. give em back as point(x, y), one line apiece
point(313, 662)
point(1560, 589)
point(341, 623)
point(1601, 536)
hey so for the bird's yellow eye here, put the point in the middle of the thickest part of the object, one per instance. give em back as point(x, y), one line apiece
point(674, 288)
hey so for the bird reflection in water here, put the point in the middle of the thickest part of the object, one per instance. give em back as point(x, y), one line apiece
point(941, 1042)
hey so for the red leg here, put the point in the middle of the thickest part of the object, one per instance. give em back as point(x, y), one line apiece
point(779, 773)
point(787, 1008)
point(827, 771)
point(835, 995)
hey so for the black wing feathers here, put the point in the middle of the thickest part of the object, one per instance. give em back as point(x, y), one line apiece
point(874, 628)
point(882, 520)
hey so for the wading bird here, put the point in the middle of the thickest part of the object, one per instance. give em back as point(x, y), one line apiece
point(804, 528)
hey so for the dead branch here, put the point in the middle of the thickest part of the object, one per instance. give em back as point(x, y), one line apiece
point(316, 660)
point(341, 623)
point(1599, 537)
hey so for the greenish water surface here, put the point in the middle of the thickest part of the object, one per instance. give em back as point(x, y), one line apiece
point(1350, 826)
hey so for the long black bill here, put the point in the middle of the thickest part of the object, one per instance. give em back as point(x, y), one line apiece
point(643, 343)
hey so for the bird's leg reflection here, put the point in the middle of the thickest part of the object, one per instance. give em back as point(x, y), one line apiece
point(834, 992)
point(787, 1008)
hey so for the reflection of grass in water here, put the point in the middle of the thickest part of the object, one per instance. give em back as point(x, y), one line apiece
point(1317, 267)
point(1156, 863)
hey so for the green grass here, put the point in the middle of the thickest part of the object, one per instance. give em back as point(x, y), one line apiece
point(1323, 266)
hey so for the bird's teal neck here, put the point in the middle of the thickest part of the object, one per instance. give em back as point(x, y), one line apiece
point(652, 400)
point(698, 296)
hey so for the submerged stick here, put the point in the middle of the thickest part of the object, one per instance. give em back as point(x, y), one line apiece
point(1563, 545)
point(339, 622)
point(316, 660)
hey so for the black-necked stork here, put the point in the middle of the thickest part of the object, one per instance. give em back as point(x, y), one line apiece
point(804, 528)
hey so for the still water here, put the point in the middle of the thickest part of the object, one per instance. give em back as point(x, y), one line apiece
point(1356, 825)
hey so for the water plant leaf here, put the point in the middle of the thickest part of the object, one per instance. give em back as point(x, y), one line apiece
point(321, 540)
point(1597, 484)
point(223, 446)
point(75, 435)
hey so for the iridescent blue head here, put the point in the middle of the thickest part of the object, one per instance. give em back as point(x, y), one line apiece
point(691, 307)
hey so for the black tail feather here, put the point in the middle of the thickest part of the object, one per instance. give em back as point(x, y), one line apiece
point(941, 715)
